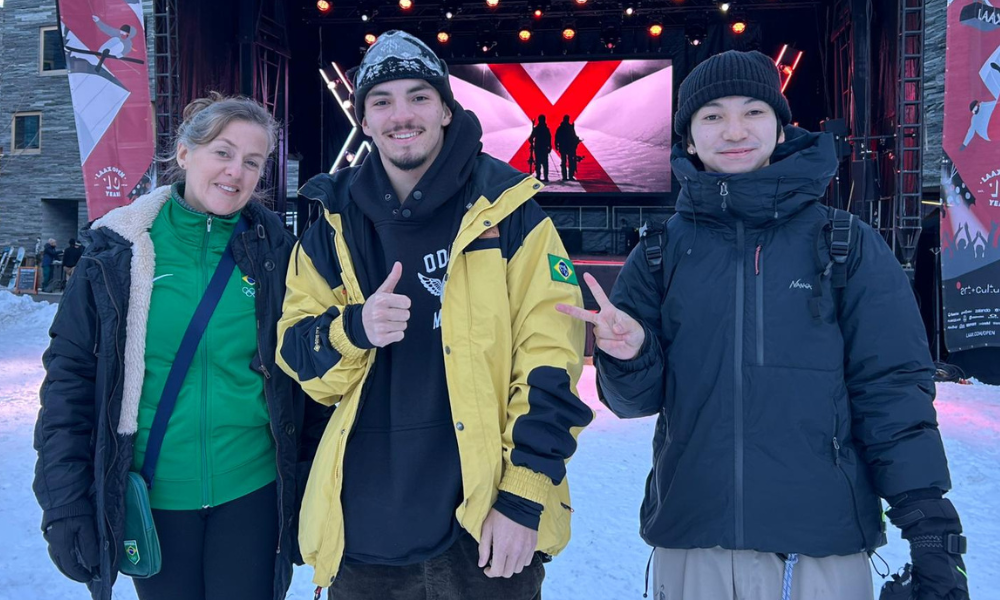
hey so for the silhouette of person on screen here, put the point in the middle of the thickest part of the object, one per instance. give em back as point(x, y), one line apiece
point(566, 143)
point(541, 146)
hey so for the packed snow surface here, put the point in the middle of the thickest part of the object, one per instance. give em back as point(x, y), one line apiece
point(605, 560)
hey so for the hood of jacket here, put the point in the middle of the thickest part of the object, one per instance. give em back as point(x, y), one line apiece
point(800, 171)
point(446, 176)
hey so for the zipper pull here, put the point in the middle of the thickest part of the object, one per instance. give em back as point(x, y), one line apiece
point(836, 451)
point(316, 345)
point(756, 261)
point(209, 223)
point(723, 191)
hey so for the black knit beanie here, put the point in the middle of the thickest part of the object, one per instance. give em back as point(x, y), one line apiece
point(731, 73)
point(399, 55)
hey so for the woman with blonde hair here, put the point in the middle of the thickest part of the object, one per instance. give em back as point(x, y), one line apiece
point(161, 371)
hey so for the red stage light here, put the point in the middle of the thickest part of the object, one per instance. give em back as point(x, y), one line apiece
point(568, 33)
point(524, 35)
point(538, 13)
point(443, 37)
point(655, 30)
point(370, 38)
point(323, 6)
point(405, 4)
point(492, 3)
point(738, 27)
point(580, 2)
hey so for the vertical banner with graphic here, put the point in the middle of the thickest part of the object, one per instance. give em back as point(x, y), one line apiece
point(970, 178)
point(105, 44)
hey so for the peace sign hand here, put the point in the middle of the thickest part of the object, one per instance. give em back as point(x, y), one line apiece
point(615, 333)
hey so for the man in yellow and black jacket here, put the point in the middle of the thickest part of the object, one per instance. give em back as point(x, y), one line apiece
point(422, 304)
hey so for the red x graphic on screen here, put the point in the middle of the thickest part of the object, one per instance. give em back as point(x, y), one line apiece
point(577, 96)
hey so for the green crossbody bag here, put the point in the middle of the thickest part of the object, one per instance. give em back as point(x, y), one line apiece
point(141, 553)
point(141, 557)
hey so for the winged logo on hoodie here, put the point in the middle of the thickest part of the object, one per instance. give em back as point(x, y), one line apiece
point(434, 286)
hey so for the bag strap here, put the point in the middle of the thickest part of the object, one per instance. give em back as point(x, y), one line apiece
point(841, 232)
point(185, 354)
point(653, 251)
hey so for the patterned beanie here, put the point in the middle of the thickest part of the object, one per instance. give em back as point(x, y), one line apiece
point(399, 55)
point(731, 73)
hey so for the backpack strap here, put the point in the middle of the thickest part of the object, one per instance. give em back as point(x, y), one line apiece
point(833, 247)
point(841, 236)
point(654, 250)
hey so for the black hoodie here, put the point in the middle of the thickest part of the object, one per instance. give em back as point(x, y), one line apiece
point(402, 476)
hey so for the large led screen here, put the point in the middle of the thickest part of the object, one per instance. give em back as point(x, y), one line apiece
point(606, 128)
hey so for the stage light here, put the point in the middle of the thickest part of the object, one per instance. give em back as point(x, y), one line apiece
point(492, 3)
point(538, 13)
point(580, 2)
point(629, 11)
point(611, 35)
point(568, 33)
point(405, 4)
point(538, 8)
point(655, 27)
point(487, 41)
point(524, 31)
point(444, 33)
point(725, 6)
point(370, 38)
point(366, 13)
point(323, 6)
point(787, 61)
point(738, 26)
point(695, 33)
point(449, 9)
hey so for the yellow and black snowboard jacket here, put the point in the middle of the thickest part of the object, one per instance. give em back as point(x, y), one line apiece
point(512, 361)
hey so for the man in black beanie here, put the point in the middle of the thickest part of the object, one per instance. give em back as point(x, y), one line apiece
point(780, 347)
point(420, 304)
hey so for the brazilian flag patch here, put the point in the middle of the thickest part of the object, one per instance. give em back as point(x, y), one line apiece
point(561, 269)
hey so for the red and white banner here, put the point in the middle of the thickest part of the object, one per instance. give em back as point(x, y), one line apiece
point(105, 44)
point(970, 178)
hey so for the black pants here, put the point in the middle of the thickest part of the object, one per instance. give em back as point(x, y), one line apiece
point(542, 166)
point(226, 551)
point(455, 575)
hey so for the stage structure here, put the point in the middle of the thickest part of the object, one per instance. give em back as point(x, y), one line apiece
point(243, 49)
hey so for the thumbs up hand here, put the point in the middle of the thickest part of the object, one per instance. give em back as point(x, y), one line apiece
point(615, 332)
point(385, 313)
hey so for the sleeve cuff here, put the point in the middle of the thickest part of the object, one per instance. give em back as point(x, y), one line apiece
point(79, 508)
point(642, 361)
point(525, 483)
point(341, 343)
point(522, 511)
point(355, 327)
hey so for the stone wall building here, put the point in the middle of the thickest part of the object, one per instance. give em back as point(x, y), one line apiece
point(41, 180)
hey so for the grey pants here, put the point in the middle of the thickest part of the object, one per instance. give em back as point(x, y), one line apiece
point(718, 574)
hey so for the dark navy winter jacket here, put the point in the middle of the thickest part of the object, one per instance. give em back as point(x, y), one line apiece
point(776, 431)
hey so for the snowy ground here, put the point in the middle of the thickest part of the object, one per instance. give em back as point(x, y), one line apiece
point(604, 561)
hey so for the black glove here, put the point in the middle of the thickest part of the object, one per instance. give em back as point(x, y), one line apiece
point(73, 547)
point(931, 524)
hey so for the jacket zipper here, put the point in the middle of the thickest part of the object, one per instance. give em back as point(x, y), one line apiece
point(205, 492)
point(267, 400)
point(759, 277)
point(847, 480)
point(738, 380)
point(107, 410)
point(723, 191)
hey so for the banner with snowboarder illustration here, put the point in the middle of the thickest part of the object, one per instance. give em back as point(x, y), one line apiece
point(970, 178)
point(105, 44)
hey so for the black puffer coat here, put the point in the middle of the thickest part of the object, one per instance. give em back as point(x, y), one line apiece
point(776, 431)
point(83, 436)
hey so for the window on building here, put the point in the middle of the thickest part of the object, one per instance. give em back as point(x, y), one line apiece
point(26, 133)
point(53, 57)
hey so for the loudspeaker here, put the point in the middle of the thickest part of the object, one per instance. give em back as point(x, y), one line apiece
point(863, 180)
point(838, 127)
